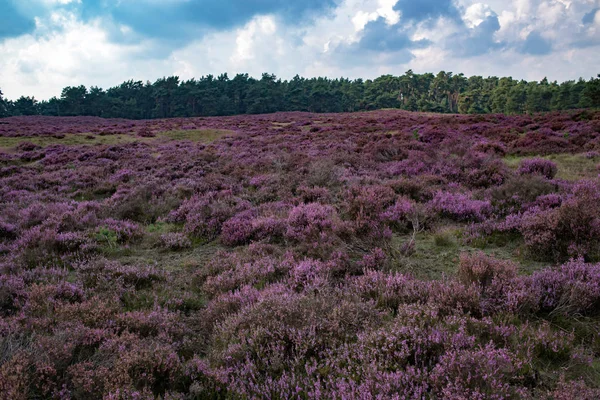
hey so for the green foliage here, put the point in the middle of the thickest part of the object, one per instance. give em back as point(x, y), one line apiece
point(212, 96)
point(107, 237)
point(3, 106)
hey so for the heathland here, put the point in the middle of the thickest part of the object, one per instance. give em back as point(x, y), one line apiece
point(374, 255)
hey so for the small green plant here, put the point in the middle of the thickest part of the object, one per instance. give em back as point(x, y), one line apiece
point(107, 237)
point(443, 239)
point(416, 134)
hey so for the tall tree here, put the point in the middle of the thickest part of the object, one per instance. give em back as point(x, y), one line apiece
point(208, 95)
point(25, 106)
point(591, 93)
point(3, 106)
point(73, 98)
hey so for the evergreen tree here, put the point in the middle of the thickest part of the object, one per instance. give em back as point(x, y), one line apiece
point(25, 106)
point(3, 106)
point(444, 92)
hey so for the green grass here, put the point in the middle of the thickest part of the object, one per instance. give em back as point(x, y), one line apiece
point(571, 167)
point(71, 139)
point(437, 254)
point(162, 227)
point(196, 135)
point(78, 139)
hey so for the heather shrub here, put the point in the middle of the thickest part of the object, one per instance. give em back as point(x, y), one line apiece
point(374, 259)
point(414, 338)
point(573, 288)
point(485, 373)
point(538, 166)
point(203, 215)
point(140, 204)
point(224, 261)
point(488, 147)
point(322, 172)
point(485, 172)
point(399, 214)
point(12, 294)
point(174, 241)
point(571, 230)
point(306, 294)
point(365, 209)
point(157, 322)
point(416, 189)
point(389, 290)
point(309, 275)
point(38, 246)
point(7, 231)
point(259, 271)
point(314, 194)
point(285, 332)
point(249, 226)
point(148, 365)
point(27, 146)
point(574, 390)
point(482, 270)
point(384, 149)
point(460, 207)
point(113, 232)
point(104, 272)
point(308, 222)
point(227, 304)
point(453, 297)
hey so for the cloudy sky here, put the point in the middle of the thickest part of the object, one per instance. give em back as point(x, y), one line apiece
point(46, 45)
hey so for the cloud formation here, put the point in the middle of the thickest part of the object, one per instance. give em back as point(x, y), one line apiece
point(535, 44)
point(184, 20)
point(49, 44)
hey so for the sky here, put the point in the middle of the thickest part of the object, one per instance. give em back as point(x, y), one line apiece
point(46, 45)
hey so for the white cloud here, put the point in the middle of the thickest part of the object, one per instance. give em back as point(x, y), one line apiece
point(476, 13)
point(78, 53)
point(65, 51)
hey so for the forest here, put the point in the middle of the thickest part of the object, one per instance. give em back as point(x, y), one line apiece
point(221, 96)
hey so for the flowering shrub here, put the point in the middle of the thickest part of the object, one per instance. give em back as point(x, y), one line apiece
point(460, 206)
point(309, 221)
point(300, 257)
point(485, 373)
point(483, 270)
point(204, 215)
point(570, 230)
point(538, 166)
point(572, 288)
point(175, 241)
point(247, 226)
point(114, 231)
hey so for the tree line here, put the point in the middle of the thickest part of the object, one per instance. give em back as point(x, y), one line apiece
point(214, 96)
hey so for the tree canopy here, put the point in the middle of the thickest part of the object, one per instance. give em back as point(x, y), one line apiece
point(211, 96)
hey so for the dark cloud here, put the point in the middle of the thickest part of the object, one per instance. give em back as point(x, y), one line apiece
point(476, 41)
point(181, 20)
point(421, 10)
point(589, 17)
point(379, 36)
point(380, 41)
point(536, 45)
point(13, 22)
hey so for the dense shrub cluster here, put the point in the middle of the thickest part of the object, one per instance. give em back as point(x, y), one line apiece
point(283, 261)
